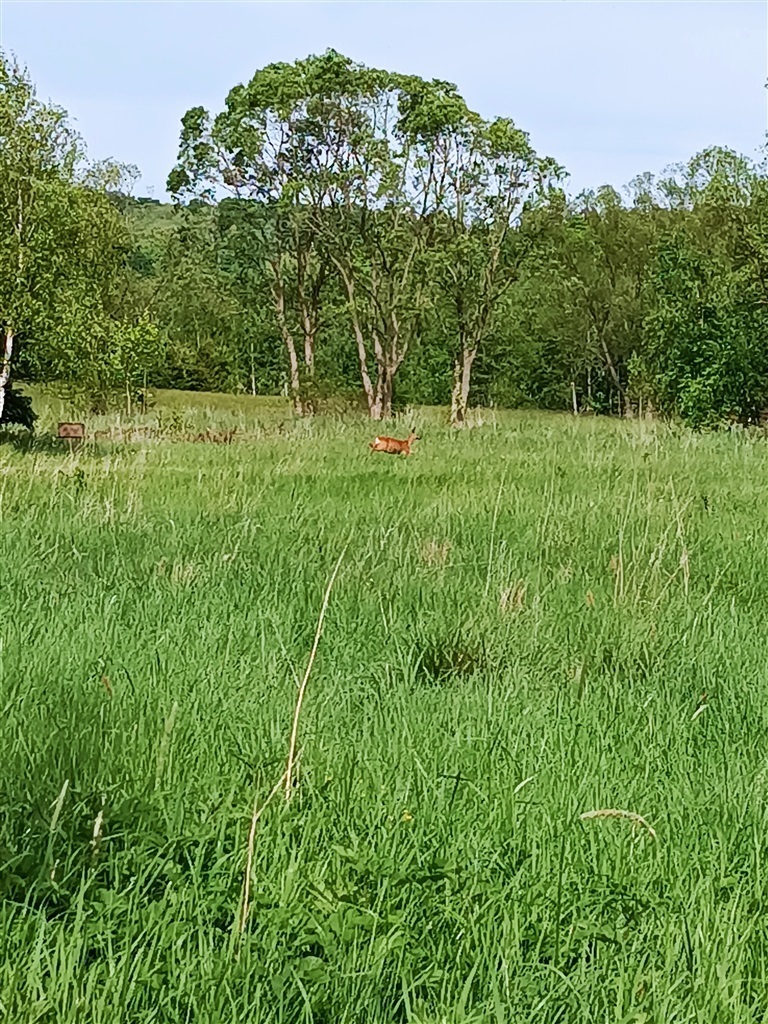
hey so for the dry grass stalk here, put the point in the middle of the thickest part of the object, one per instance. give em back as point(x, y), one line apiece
point(165, 742)
point(435, 553)
point(305, 680)
point(617, 568)
point(512, 598)
point(184, 573)
point(257, 813)
point(58, 805)
point(614, 812)
point(684, 556)
point(97, 830)
point(493, 533)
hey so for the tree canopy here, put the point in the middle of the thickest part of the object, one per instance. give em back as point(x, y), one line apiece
point(351, 232)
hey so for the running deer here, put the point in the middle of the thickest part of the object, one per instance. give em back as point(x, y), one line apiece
point(392, 446)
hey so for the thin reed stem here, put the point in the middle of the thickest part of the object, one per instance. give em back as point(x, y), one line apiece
point(257, 813)
point(305, 680)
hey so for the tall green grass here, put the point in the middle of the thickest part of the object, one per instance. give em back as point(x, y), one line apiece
point(534, 619)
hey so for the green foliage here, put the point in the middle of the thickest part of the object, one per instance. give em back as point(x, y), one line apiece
point(387, 182)
point(707, 326)
point(64, 250)
point(39, 154)
point(709, 348)
point(112, 360)
point(271, 145)
point(352, 234)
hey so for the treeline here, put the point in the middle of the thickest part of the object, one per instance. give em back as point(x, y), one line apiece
point(345, 234)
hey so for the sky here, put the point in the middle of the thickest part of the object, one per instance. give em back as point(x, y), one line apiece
point(609, 89)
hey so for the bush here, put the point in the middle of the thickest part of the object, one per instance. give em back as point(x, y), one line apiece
point(17, 409)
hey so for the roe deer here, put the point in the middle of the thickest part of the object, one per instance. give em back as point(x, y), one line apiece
point(392, 446)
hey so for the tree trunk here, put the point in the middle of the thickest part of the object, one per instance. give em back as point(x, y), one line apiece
point(309, 345)
point(308, 331)
point(388, 353)
point(456, 393)
point(5, 367)
point(389, 358)
point(298, 405)
point(370, 397)
point(278, 294)
point(381, 409)
point(462, 376)
point(309, 363)
point(625, 405)
point(308, 310)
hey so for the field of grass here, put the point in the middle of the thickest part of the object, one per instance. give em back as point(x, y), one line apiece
point(532, 620)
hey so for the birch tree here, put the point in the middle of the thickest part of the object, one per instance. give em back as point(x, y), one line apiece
point(63, 242)
point(38, 154)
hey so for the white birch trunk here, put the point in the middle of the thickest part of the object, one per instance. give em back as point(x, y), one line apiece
point(5, 367)
point(462, 377)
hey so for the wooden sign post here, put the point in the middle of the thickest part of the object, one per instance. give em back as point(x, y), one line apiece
point(72, 432)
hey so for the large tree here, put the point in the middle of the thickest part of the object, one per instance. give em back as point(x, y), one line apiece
point(264, 147)
point(375, 224)
point(63, 244)
point(38, 156)
point(582, 296)
point(707, 326)
point(476, 178)
point(322, 145)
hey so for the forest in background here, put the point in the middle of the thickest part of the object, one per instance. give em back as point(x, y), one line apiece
point(349, 237)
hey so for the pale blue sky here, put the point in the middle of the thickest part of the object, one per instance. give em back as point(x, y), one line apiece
point(609, 89)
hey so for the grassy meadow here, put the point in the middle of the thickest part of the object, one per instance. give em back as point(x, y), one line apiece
point(534, 619)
